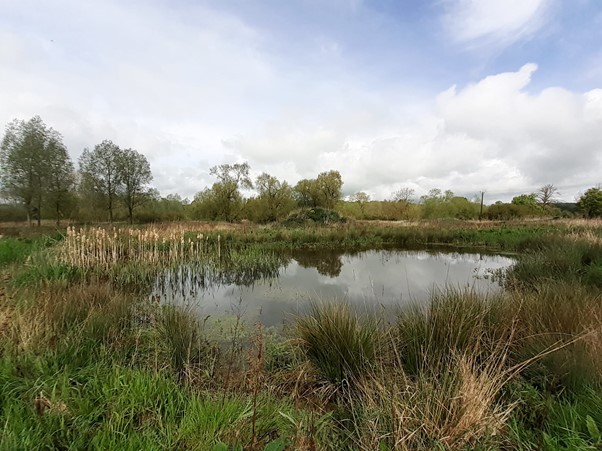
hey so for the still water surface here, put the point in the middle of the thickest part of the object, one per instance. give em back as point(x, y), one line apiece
point(368, 279)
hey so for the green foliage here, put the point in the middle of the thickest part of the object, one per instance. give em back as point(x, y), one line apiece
point(134, 173)
point(223, 201)
point(274, 201)
point(591, 203)
point(86, 364)
point(505, 212)
point(311, 216)
point(187, 348)
point(100, 174)
point(164, 209)
point(323, 191)
point(110, 173)
point(445, 205)
point(14, 250)
point(529, 200)
point(560, 259)
point(11, 212)
point(35, 168)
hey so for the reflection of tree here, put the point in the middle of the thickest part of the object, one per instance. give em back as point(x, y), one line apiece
point(327, 262)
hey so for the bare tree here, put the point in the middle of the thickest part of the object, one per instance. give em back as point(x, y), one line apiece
point(403, 195)
point(546, 194)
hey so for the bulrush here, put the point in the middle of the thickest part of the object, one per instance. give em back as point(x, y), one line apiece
point(89, 247)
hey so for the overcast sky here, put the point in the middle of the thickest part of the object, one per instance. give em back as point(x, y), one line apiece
point(469, 95)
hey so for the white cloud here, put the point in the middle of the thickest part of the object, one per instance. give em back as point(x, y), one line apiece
point(492, 135)
point(194, 87)
point(498, 22)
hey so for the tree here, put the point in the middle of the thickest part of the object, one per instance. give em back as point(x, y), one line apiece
point(546, 194)
point(329, 185)
point(591, 202)
point(134, 173)
point(31, 155)
point(529, 200)
point(237, 174)
point(61, 178)
point(100, 173)
point(306, 193)
point(223, 200)
point(323, 191)
point(403, 195)
point(275, 198)
point(362, 199)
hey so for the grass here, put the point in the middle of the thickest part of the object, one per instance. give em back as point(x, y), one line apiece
point(339, 342)
point(87, 362)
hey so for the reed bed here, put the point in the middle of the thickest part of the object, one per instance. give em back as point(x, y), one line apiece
point(99, 247)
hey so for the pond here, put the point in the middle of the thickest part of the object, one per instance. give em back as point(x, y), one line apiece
point(368, 279)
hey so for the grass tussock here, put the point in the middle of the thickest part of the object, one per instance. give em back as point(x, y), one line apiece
point(339, 342)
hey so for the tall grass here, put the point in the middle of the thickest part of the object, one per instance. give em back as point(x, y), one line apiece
point(187, 348)
point(339, 342)
point(99, 247)
point(453, 322)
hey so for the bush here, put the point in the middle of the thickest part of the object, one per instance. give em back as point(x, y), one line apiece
point(319, 216)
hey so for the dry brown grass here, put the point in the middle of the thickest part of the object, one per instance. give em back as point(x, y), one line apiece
point(588, 235)
point(100, 247)
point(458, 408)
point(455, 405)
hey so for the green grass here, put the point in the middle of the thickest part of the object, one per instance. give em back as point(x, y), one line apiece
point(87, 362)
point(17, 250)
point(339, 342)
point(105, 406)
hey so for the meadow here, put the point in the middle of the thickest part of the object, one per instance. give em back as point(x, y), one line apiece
point(89, 361)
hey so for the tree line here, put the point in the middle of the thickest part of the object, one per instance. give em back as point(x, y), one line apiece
point(37, 173)
point(39, 179)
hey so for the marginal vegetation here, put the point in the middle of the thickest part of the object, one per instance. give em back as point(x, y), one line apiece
point(88, 361)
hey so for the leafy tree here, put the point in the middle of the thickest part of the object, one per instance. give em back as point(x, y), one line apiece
point(329, 185)
point(529, 200)
point(237, 174)
point(100, 173)
point(224, 200)
point(323, 191)
point(32, 156)
point(591, 202)
point(361, 199)
point(275, 198)
point(61, 179)
point(502, 211)
point(546, 194)
point(134, 173)
point(306, 193)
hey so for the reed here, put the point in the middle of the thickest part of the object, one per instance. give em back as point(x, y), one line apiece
point(99, 247)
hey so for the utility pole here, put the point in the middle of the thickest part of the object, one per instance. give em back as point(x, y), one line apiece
point(481, 211)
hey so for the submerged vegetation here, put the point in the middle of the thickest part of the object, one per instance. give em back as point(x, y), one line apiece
point(89, 361)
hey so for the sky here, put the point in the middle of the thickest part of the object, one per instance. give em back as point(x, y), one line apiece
point(500, 96)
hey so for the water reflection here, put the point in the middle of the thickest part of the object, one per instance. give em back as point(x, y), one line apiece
point(368, 279)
